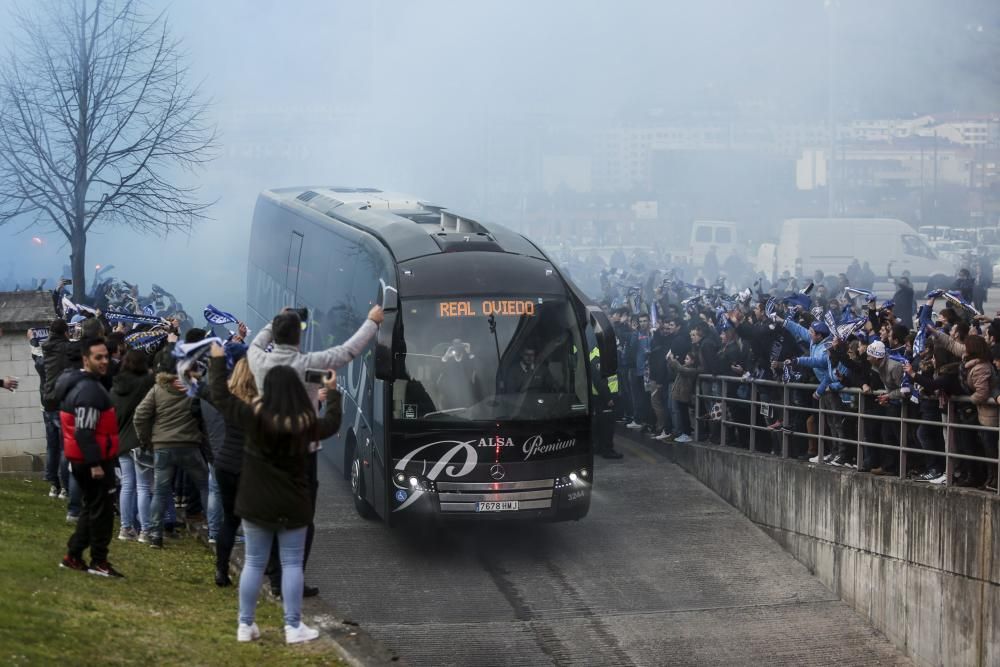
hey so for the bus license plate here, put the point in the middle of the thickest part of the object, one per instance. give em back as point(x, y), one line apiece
point(504, 506)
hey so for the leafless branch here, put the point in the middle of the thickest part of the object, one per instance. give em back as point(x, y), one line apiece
point(96, 117)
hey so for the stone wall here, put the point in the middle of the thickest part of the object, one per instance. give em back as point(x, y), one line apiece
point(21, 425)
point(920, 562)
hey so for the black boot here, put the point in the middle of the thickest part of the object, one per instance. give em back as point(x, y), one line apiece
point(222, 578)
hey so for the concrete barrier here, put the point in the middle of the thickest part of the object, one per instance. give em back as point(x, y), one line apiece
point(921, 562)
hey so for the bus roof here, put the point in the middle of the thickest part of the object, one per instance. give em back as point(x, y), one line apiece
point(407, 226)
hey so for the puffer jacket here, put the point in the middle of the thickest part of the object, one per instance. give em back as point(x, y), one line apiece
point(165, 419)
point(818, 358)
point(127, 392)
point(87, 419)
point(980, 381)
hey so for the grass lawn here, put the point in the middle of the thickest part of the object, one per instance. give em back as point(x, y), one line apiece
point(166, 611)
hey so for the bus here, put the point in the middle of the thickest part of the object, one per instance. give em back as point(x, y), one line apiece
point(474, 400)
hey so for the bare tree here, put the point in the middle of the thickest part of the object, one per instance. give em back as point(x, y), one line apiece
point(96, 122)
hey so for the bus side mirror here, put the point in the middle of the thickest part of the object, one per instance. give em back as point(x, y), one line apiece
point(607, 343)
point(384, 347)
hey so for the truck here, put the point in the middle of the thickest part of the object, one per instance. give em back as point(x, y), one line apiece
point(889, 246)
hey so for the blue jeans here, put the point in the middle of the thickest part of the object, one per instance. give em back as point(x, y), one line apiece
point(53, 450)
point(168, 459)
point(144, 493)
point(682, 421)
point(292, 549)
point(127, 497)
point(214, 508)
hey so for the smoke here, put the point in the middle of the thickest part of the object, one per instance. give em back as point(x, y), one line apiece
point(462, 102)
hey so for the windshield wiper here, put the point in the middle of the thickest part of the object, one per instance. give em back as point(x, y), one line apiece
point(443, 412)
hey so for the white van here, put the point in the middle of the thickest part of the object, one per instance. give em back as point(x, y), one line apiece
point(830, 245)
point(706, 234)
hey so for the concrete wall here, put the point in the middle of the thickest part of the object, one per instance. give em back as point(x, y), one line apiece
point(921, 562)
point(21, 425)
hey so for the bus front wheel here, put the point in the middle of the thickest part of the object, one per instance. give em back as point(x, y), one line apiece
point(362, 506)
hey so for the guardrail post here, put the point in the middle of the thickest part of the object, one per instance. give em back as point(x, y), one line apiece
point(860, 456)
point(723, 417)
point(904, 433)
point(697, 409)
point(949, 444)
point(754, 413)
point(996, 463)
point(784, 421)
point(820, 426)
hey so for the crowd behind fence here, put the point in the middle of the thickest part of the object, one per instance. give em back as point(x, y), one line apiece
point(776, 402)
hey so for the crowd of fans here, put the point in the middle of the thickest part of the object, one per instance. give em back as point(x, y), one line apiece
point(199, 424)
point(828, 332)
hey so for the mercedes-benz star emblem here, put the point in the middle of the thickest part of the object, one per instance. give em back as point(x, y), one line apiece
point(497, 472)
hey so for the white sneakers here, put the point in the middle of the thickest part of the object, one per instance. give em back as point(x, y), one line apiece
point(683, 437)
point(303, 633)
point(247, 633)
point(633, 425)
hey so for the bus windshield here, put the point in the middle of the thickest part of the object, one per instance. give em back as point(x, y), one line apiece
point(490, 358)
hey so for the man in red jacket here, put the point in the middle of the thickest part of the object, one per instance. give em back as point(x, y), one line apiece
point(90, 444)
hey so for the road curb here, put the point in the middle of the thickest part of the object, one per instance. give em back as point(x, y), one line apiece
point(353, 644)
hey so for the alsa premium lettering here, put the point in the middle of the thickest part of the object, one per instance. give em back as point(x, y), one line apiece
point(535, 445)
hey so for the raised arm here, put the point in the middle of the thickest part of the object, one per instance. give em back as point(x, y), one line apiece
point(258, 348)
point(341, 355)
point(799, 332)
point(233, 409)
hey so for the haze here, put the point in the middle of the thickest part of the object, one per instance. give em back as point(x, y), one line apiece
point(464, 102)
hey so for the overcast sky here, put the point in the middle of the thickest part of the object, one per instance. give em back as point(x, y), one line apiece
point(417, 95)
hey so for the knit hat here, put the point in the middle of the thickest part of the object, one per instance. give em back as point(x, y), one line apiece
point(877, 350)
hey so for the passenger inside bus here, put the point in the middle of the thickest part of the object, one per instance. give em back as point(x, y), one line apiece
point(457, 384)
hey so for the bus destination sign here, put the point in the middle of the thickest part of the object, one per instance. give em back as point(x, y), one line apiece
point(487, 307)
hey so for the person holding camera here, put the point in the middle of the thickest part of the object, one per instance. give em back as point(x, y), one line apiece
point(283, 336)
point(274, 498)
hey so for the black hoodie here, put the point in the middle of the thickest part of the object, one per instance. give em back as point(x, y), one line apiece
point(57, 356)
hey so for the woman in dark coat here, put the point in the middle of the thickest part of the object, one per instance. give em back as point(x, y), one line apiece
point(274, 497)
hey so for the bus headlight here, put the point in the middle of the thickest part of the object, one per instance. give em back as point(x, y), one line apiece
point(575, 478)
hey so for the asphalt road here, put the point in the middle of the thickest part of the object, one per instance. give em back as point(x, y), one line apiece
point(661, 572)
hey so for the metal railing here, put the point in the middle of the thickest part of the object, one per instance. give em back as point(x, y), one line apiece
point(779, 398)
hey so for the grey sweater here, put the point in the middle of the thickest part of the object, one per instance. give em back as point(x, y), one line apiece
point(261, 361)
